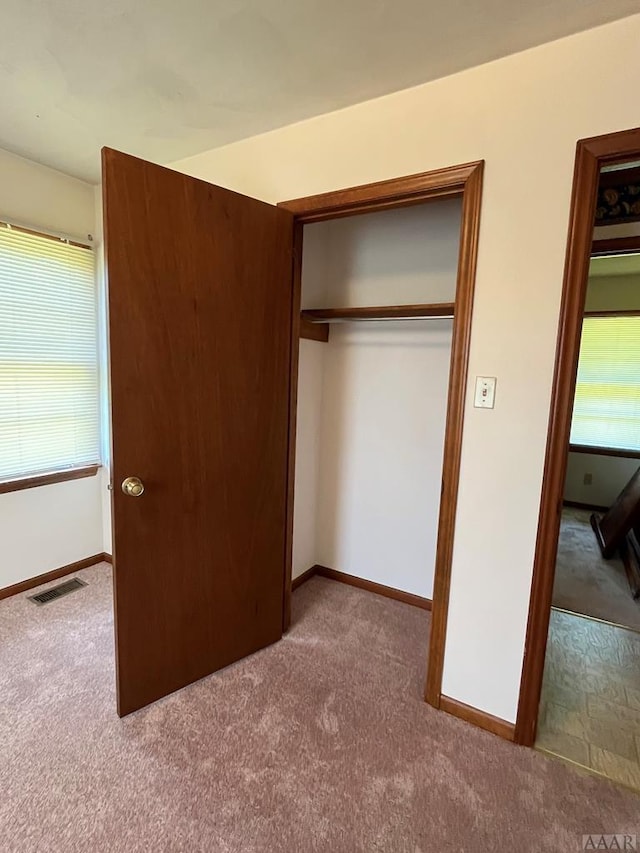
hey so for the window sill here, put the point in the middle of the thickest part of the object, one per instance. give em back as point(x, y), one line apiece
point(47, 479)
point(604, 451)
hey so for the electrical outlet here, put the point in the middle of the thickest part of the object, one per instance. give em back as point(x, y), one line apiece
point(588, 479)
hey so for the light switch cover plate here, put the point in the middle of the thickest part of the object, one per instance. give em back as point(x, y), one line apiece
point(485, 392)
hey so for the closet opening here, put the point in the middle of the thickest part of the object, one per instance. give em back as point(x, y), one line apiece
point(383, 293)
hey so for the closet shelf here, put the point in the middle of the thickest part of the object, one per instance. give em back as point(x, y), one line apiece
point(439, 310)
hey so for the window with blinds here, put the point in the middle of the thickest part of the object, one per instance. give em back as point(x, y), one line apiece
point(606, 411)
point(49, 418)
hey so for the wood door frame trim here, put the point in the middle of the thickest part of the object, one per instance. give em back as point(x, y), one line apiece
point(294, 349)
point(463, 181)
point(383, 195)
point(591, 155)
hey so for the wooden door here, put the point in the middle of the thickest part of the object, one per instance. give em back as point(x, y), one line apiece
point(200, 300)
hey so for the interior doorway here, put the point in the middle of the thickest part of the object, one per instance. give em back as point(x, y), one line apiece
point(595, 578)
point(591, 455)
point(591, 684)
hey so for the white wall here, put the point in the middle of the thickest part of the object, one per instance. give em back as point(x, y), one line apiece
point(612, 232)
point(34, 195)
point(608, 474)
point(395, 257)
point(372, 401)
point(523, 115)
point(47, 527)
point(384, 409)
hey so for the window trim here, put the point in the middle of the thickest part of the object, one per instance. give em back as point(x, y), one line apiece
point(47, 478)
point(622, 312)
point(604, 451)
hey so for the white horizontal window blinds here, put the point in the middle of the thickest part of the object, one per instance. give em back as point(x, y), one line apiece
point(48, 355)
point(606, 410)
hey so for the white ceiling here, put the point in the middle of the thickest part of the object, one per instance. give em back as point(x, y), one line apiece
point(165, 79)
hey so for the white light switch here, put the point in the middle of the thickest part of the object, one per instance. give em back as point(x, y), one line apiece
point(485, 392)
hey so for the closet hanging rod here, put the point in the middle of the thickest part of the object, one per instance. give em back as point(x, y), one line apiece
point(435, 311)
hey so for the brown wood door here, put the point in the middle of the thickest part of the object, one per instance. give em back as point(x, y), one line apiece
point(200, 300)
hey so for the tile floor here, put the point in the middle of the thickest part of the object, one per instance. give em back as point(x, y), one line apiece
point(590, 708)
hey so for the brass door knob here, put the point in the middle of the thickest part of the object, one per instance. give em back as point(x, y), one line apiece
point(133, 487)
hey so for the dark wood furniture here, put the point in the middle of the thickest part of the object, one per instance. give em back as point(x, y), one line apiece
point(614, 526)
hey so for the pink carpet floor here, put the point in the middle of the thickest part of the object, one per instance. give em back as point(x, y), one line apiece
point(320, 743)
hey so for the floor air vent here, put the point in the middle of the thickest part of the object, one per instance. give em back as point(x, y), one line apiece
point(57, 591)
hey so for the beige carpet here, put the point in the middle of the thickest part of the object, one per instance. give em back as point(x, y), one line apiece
point(320, 743)
point(585, 582)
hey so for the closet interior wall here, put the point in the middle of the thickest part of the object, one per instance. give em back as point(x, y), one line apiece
point(372, 400)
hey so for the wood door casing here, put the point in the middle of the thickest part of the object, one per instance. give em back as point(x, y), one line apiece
point(591, 155)
point(463, 181)
point(200, 302)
